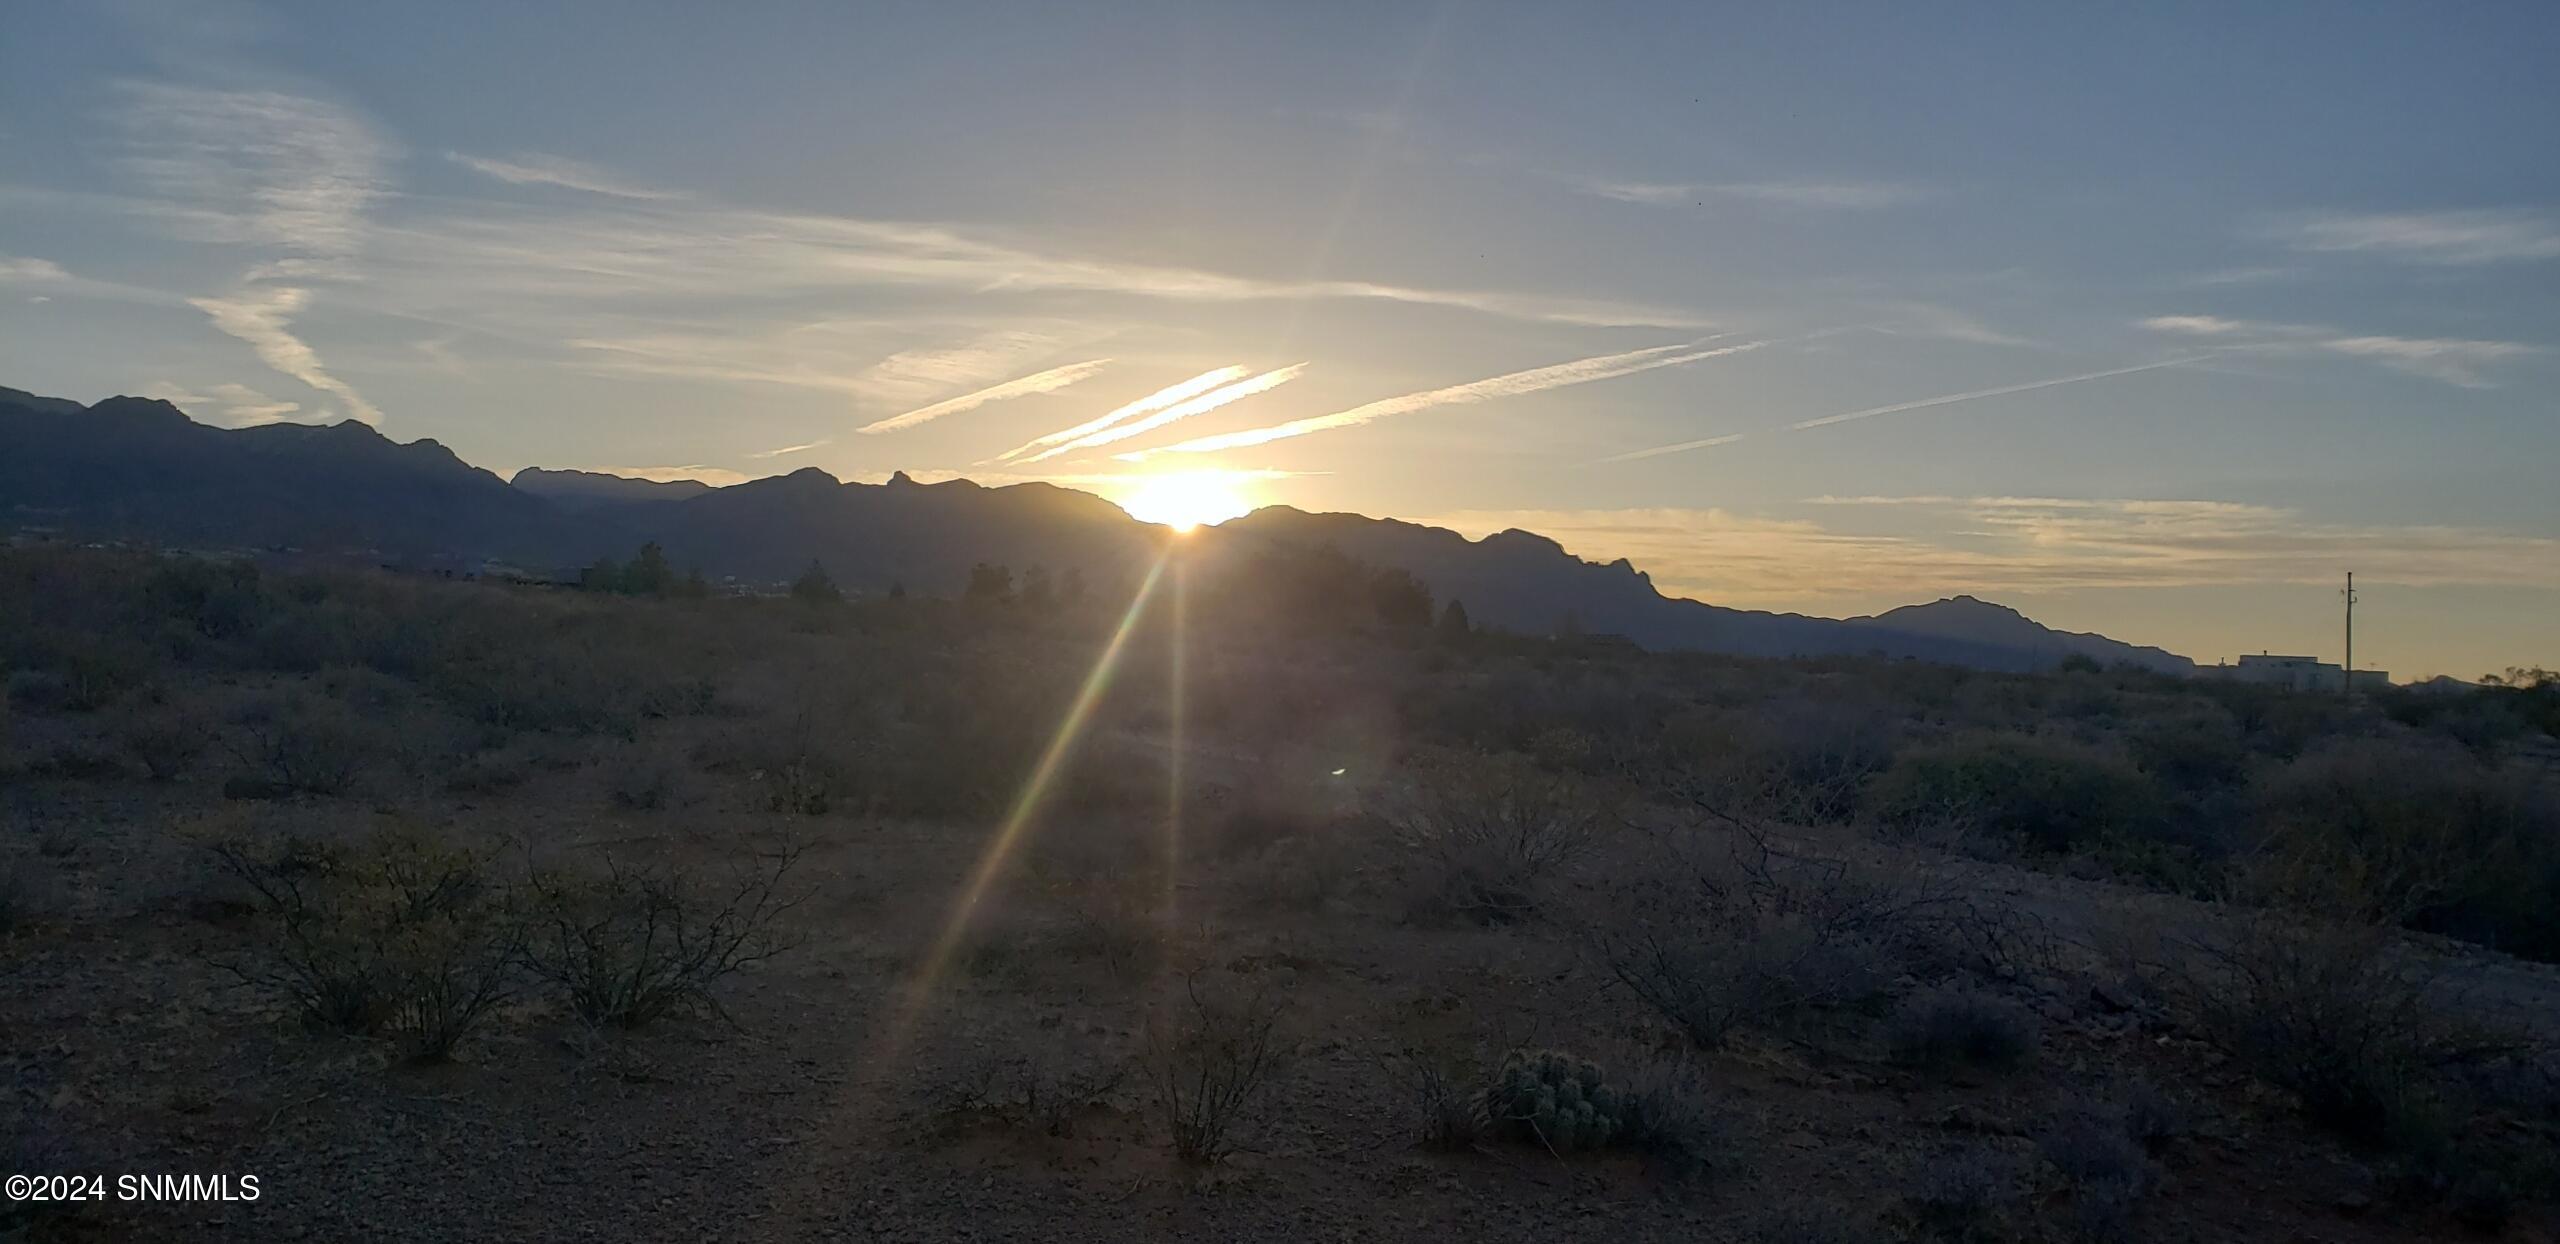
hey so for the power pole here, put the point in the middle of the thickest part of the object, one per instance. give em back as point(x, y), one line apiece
point(2347, 676)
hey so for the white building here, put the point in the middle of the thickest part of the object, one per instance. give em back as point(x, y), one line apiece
point(2298, 673)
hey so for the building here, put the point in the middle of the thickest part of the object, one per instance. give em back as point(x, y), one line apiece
point(2297, 673)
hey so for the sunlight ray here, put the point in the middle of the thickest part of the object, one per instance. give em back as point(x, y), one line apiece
point(1017, 819)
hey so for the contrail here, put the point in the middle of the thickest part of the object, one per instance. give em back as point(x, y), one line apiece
point(1202, 404)
point(1157, 400)
point(1579, 371)
point(1048, 381)
point(1898, 407)
point(1953, 398)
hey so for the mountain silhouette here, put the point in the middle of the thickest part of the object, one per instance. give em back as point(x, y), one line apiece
point(137, 469)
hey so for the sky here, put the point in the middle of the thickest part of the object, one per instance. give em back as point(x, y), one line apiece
point(2154, 320)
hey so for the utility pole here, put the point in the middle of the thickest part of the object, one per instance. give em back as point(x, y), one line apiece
point(2347, 675)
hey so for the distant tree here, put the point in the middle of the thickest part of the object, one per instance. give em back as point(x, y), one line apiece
point(694, 586)
point(813, 587)
point(1399, 598)
point(1071, 587)
point(898, 589)
point(648, 574)
point(1453, 620)
point(989, 584)
point(2080, 663)
point(604, 576)
point(1036, 592)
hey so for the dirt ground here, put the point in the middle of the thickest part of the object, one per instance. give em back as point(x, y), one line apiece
point(830, 1109)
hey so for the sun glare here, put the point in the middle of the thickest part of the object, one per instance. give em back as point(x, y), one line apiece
point(1187, 500)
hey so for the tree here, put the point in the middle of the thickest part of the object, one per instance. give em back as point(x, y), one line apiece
point(693, 587)
point(813, 587)
point(989, 584)
point(1453, 620)
point(604, 576)
point(648, 574)
point(898, 589)
point(1399, 598)
point(1036, 593)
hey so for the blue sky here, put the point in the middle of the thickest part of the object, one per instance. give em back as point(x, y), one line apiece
point(2246, 296)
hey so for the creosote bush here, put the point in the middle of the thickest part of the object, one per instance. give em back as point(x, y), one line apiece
point(1210, 1054)
point(1486, 837)
point(397, 932)
point(632, 942)
point(2039, 793)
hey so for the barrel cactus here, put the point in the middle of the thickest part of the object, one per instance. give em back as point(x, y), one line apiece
point(1559, 1100)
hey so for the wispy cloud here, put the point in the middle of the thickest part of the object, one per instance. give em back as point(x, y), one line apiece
point(1937, 545)
point(1202, 404)
point(790, 449)
point(1853, 195)
point(1049, 381)
point(254, 167)
point(2448, 237)
point(234, 405)
point(2451, 360)
point(1579, 371)
point(1158, 400)
point(534, 169)
point(262, 316)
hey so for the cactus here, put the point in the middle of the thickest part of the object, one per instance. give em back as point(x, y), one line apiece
point(1560, 1101)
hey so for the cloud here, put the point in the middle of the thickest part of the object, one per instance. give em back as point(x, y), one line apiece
point(1202, 404)
point(1929, 319)
point(1158, 400)
point(2448, 237)
point(2014, 545)
point(717, 477)
point(1579, 371)
point(534, 169)
point(913, 375)
point(789, 449)
point(1049, 381)
point(2452, 361)
point(1852, 195)
point(23, 270)
point(253, 167)
point(234, 405)
point(262, 316)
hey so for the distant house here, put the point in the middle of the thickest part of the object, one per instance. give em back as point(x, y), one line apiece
point(2297, 673)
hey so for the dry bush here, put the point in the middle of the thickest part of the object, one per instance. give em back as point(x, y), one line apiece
point(2036, 792)
point(645, 779)
point(1948, 1027)
point(1047, 1089)
point(2099, 1149)
point(1485, 838)
point(1965, 1195)
point(164, 740)
point(305, 743)
point(634, 942)
point(1210, 1054)
point(2361, 1030)
point(1814, 1223)
point(1749, 934)
point(1447, 1090)
point(400, 932)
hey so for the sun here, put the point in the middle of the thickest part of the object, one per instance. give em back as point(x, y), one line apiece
point(1187, 500)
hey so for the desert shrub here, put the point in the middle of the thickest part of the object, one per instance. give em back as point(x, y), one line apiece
point(2039, 793)
point(2428, 836)
point(1484, 838)
point(215, 599)
point(400, 932)
point(2358, 1030)
point(1448, 1091)
point(1210, 1056)
point(165, 741)
point(484, 773)
point(633, 942)
point(644, 780)
point(1045, 1090)
point(1965, 1194)
point(1671, 1118)
point(1757, 936)
point(1949, 1027)
point(309, 743)
point(2093, 1146)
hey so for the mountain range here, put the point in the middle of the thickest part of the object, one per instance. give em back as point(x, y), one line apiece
point(139, 469)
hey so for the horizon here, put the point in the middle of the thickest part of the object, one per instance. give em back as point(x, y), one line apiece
point(2140, 333)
